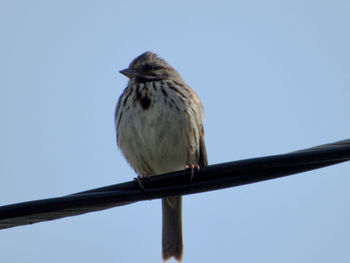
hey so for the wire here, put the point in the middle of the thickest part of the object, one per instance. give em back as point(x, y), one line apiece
point(213, 177)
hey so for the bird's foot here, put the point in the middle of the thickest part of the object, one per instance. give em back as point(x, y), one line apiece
point(193, 167)
point(138, 181)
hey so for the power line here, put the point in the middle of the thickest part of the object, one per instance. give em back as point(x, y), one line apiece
point(213, 177)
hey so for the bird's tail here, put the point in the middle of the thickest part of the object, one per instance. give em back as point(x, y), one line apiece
point(172, 244)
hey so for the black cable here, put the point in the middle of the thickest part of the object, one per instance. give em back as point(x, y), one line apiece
point(209, 178)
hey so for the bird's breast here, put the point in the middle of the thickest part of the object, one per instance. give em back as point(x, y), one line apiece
point(155, 132)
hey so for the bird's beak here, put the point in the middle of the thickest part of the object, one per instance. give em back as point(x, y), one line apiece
point(128, 72)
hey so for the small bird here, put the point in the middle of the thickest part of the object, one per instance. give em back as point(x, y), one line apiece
point(159, 128)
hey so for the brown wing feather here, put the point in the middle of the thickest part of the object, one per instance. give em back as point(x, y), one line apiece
point(203, 157)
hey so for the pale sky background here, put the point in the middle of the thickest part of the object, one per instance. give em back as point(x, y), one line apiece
point(274, 76)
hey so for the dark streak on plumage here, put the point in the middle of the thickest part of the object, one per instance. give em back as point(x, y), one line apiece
point(177, 83)
point(144, 100)
point(164, 92)
point(172, 102)
point(126, 98)
point(120, 116)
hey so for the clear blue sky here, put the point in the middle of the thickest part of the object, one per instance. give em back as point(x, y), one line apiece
point(274, 76)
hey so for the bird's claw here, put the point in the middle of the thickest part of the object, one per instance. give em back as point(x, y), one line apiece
point(138, 181)
point(192, 167)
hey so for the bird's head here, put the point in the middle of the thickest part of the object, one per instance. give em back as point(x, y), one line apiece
point(150, 67)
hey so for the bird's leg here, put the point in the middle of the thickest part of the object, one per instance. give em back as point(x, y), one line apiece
point(192, 167)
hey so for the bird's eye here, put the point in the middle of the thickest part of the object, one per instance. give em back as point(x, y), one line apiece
point(148, 67)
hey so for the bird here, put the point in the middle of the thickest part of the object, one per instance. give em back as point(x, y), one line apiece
point(159, 129)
